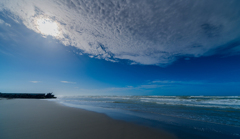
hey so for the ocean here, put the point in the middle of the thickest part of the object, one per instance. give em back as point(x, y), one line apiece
point(184, 116)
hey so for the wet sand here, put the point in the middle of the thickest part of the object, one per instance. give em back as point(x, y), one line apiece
point(41, 119)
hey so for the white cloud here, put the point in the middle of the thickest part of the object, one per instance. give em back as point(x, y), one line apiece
point(172, 82)
point(3, 22)
point(145, 32)
point(68, 82)
point(35, 81)
point(7, 24)
point(4, 52)
point(150, 87)
point(177, 82)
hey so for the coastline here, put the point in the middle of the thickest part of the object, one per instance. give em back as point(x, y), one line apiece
point(24, 118)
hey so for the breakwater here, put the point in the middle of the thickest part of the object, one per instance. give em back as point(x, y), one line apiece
point(27, 95)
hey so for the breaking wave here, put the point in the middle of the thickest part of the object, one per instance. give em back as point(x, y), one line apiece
point(224, 110)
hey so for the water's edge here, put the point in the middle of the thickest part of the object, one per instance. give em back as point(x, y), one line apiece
point(180, 126)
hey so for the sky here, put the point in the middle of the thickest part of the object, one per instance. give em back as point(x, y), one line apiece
point(120, 47)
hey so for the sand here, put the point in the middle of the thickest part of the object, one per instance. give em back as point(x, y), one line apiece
point(41, 119)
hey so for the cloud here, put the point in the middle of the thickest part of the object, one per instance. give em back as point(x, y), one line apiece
point(172, 82)
point(35, 81)
point(168, 83)
point(178, 82)
point(4, 52)
point(155, 87)
point(3, 22)
point(68, 82)
point(155, 32)
point(151, 86)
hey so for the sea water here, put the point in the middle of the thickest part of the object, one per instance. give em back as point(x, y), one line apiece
point(185, 116)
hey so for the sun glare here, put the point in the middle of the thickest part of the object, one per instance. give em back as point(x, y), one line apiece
point(47, 27)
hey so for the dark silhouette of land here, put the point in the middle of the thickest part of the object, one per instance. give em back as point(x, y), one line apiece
point(27, 95)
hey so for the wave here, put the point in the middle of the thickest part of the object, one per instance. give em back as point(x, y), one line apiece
point(188, 101)
point(214, 109)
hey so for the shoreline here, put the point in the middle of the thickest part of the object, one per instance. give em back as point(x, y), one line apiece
point(183, 128)
point(24, 118)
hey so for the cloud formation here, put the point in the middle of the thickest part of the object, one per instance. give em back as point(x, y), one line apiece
point(68, 82)
point(177, 82)
point(3, 22)
point(147, 32)
point(35, 81)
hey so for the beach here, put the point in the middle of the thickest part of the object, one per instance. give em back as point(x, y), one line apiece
point(41, 119)
point(187, 117)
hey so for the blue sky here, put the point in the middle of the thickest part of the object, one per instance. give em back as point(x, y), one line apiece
point(153, 51)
